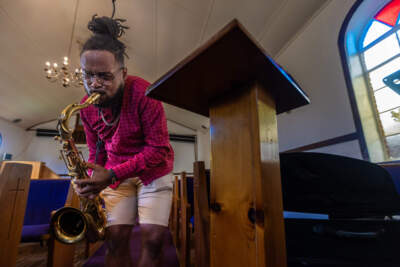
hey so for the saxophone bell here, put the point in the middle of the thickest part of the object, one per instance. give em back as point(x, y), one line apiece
point(68, 225)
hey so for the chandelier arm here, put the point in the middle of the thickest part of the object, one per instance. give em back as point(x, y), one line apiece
point(113, 12)
point(73, 28)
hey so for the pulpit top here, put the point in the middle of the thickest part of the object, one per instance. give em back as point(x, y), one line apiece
point(228, 61)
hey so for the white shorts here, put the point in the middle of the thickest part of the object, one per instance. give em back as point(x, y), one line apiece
point(152, 203)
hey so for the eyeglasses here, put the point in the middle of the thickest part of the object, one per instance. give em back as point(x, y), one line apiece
point(101, 77)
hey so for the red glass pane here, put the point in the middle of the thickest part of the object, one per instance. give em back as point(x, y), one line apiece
point(389, 13)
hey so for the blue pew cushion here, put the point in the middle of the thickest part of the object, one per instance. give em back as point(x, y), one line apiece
point(44, 197)
point(33, 233)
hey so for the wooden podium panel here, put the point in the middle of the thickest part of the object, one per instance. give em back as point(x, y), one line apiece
point(246, 194)
point(233, 81)
point(14, 189)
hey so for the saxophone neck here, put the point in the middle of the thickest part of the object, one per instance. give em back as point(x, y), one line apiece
point(69, 111)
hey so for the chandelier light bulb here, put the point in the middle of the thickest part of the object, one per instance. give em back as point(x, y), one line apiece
point(63, 74)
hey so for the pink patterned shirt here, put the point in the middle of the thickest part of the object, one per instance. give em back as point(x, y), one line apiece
point(138, 145)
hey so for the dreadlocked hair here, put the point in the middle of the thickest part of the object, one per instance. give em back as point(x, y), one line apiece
point(106, 32)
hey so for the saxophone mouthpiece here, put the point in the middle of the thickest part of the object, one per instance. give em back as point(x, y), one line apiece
point(96, 97)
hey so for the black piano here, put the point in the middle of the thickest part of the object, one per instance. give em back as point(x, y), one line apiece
point(339, 211)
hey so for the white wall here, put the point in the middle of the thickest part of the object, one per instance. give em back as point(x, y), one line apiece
point(184, 156)
point(47, 150)
point(204, 147)
point(313, 60)
point(15, 140)
point(184, 152)
point(348, 149)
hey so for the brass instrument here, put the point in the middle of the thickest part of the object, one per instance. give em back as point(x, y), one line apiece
point(70, 225)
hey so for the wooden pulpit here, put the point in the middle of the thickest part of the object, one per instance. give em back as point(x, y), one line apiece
point(233, 81)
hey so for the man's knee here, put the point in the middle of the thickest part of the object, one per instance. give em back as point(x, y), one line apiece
point(152, 239)
point(117, 238)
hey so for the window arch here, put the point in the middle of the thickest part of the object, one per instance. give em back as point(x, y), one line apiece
point(370, 46)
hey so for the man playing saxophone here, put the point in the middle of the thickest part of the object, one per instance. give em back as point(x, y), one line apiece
point(130, 157)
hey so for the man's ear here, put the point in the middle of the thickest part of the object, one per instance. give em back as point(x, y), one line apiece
point(124, 72)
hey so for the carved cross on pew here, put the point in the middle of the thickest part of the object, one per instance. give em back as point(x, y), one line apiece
point(233, 81)
point(14, 189)
point(13, 199)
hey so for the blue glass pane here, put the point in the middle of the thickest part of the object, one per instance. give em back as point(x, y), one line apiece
point(375, 30)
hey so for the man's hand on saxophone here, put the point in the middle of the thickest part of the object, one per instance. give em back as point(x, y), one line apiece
point(101, 178)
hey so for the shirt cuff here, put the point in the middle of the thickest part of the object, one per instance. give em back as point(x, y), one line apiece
point(121, 172)
point(113, 176)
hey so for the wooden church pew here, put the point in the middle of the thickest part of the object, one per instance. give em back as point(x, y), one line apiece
point(180, 220)
point(174, 217)
point(180, 226)
point(184, 250)
point(201, 216)
point(39, 170)
point(15, 180)
point(14, 188)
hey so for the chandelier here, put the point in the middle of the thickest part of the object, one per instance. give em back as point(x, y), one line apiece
point(64, 74)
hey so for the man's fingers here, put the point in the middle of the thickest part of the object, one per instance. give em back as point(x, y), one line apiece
point(90, 165)
point(93, 166)
point(83, 182)
point(89, 195)
point(86, 189)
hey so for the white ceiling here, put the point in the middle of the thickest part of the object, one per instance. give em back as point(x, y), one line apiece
point(162, 32)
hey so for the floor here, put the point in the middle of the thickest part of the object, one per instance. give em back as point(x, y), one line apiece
point(35, 255)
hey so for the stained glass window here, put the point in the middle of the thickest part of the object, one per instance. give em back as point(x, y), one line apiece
point(380, 51)
point(389, 14)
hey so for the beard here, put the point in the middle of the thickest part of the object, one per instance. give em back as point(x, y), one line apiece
point(114, 102)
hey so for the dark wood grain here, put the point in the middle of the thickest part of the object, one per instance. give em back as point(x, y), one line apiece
point(201, 216)
point(226, 62)
point(174, 217)
point(184, 239)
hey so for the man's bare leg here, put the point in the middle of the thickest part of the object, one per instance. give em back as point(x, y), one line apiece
point(152, 242)
point(118, 252)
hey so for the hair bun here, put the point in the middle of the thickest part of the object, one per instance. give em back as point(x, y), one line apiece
point(107, 26)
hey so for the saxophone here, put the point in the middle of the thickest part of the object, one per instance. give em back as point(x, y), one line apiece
point(70, 225)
